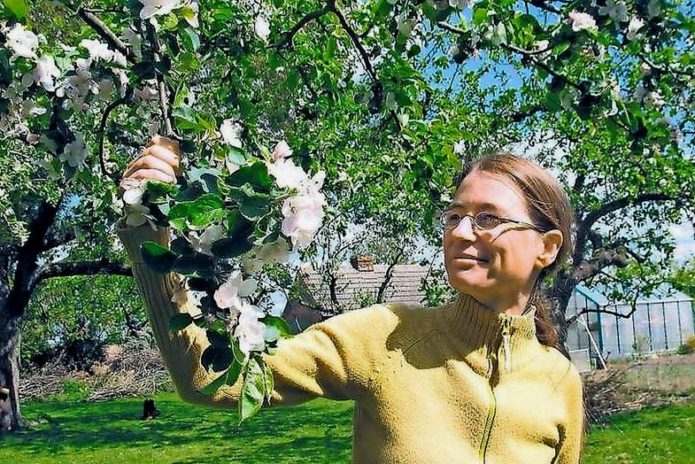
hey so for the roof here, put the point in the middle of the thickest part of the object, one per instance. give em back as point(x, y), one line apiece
point(356, 289)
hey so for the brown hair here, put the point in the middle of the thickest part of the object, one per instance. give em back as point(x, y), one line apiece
point(549, 208)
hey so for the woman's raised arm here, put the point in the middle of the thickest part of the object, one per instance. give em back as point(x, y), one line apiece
point(332, 359)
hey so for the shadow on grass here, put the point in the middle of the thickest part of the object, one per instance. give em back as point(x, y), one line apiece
point(319, 431)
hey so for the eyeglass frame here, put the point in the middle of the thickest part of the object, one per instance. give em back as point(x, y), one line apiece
point(476, 226)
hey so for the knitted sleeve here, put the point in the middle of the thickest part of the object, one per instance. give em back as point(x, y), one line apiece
point(569, 449)
point(332, 359)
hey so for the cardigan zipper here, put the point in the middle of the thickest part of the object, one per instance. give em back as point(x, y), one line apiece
point(492, 406)
point(491, 412)
point(506, 335)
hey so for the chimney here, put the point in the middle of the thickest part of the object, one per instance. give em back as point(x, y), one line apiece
point(362, 263)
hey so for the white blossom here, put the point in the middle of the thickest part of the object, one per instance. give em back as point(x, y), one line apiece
point(303, 215)
point(632, 28)
point(203, 243)
point(75, 152)
point(287, 174)
point(281, 151)
point(262, 28)
point(654, 99)
point(227, 295)
point(97, 50)
point(645, 69)
point(152, 8)
point(460, 147)
point(44, 73)
point(616, 9)
point(250, 330)
point(461, 3)
point(581, 21)
point(22, 41)
point(231, 132)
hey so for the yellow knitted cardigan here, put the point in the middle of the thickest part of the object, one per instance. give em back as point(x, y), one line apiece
point(453, 384)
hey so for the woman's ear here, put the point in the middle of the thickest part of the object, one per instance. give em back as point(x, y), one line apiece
point(552, 242)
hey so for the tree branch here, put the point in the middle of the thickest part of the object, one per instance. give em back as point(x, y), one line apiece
point(161, 87)
point(355, 40)
point(615, 205)
point(103, 266)
point(102, 126)
point(288, 37)
point(106, 34)
point(601, 259)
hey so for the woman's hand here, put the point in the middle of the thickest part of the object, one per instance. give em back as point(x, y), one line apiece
point(159, 161)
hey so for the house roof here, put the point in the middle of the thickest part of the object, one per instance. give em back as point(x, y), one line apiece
point(356, 289)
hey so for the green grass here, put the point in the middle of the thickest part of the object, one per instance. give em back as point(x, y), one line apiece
point(317, 432)
point(652, 436)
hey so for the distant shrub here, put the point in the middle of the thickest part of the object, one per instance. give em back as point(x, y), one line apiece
point(74, 390)
point(684, 349)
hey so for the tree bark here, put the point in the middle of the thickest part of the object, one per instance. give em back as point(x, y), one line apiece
point(10, 414)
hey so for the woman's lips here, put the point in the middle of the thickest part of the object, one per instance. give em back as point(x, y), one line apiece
point(469, 258)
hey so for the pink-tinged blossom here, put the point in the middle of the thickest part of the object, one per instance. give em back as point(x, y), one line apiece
point(281, 151)
point(581, 21)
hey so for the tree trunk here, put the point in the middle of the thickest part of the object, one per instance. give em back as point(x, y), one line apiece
point(10, 415)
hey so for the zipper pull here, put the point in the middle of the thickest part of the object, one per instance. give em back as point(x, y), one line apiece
point(506, 336)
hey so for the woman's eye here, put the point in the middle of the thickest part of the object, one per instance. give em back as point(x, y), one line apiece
point(487, 220)
point(453, 218)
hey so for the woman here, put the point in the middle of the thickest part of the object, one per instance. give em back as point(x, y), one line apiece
point(476, 380)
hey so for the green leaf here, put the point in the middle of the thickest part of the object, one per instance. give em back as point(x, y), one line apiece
point(236, 155)
point(253, 390)
point(19, 8)
point(255, 174)
point(215, 385)
point(190, 39)
point(234, 372)
point(231, 247)
point(157, 258)
point(180, 321)
point(198, 264)
point(200, 212)
point(279, 323)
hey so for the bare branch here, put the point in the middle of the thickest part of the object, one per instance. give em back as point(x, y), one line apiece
point(103, 266)
point(288, 37)
point(102, 126)
point(161, 87)
point(615, 205)
point(356, 41)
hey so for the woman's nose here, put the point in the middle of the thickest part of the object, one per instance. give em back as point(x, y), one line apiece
point(464, 229)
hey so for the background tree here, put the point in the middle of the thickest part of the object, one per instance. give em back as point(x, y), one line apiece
point(387, 97)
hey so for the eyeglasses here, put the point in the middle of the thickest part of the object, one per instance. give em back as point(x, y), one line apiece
point(481, 221)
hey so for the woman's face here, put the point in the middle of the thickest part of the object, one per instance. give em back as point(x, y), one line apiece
point(494, 266)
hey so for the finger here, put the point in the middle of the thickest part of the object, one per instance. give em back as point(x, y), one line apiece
point(153, 174)
point(150, 162)
point(163, 154)
point(168, 143)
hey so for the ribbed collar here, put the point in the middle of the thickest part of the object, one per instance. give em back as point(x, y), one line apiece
point(480, 330)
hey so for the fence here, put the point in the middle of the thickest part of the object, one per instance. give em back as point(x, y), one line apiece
point(655, 326)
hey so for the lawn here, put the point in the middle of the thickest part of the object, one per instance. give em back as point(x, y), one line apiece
point(318, 432)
